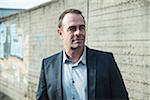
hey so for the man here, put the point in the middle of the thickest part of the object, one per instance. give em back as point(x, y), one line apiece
point(77, 72)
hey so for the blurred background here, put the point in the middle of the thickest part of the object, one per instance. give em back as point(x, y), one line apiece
point(28, 34)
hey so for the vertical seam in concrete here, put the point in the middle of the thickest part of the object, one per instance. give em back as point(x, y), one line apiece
point(63, 2)
point(87, 19)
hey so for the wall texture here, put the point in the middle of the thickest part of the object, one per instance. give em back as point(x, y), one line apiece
point(118, 26)
point(123, 28)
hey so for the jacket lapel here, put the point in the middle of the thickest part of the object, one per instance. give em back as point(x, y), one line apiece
point(91, 74)
point(58, 65)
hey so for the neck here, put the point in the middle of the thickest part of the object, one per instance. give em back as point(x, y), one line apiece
point(74, 54)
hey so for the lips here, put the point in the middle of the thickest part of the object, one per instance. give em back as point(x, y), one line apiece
point(77, 40)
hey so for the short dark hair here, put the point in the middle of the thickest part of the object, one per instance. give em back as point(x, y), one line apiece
point(74, 11)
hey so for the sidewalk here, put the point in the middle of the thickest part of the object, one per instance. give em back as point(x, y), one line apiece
point(4, 97)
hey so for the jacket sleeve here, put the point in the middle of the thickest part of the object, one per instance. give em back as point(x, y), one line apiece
point(42, 88)
point(118, 90)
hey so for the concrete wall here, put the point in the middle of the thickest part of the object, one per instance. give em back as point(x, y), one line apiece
point(119, 26)
point(123, 27)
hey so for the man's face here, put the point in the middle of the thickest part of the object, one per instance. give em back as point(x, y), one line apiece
point(72, 31)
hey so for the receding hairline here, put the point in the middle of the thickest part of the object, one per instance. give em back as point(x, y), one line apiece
point(71, 17)
point(71, 11)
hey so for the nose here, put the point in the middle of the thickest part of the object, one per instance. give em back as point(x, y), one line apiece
point(78, 31)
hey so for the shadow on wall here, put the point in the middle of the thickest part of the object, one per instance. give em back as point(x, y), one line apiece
point(4, 97)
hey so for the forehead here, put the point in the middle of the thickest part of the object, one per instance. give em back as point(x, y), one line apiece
point(72, 19)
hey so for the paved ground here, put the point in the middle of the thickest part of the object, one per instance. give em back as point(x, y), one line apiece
point(4, 97)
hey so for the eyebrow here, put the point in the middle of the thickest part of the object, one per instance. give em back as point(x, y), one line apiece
point(82, 25)
point(75, 26)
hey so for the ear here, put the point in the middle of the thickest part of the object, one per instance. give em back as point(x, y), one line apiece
point(60, 33)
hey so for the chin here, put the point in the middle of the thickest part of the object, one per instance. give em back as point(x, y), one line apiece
point(77, 46)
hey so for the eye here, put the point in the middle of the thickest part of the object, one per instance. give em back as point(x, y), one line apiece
point(72, 29)
point(82, 28)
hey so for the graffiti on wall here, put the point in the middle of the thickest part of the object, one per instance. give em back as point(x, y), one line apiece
point(12, 64)
point(16, 42)
point(10, 41)
point(2, 39)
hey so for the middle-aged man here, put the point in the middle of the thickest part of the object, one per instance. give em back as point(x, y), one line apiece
point(78, 72)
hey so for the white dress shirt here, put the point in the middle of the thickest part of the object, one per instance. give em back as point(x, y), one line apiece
point(74, 78)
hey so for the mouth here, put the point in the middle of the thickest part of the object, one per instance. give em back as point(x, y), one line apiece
point(77, 40)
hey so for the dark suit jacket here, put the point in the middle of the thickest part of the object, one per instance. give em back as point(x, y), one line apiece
point(104, 79)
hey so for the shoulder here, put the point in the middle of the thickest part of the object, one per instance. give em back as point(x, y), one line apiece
point(52, 58)
point(100, 52)
point(104, 58)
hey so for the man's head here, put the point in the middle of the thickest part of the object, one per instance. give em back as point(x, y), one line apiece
point(71, 29)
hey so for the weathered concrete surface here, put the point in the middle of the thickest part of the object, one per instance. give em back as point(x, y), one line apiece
point(118, 26)
point(4, 97)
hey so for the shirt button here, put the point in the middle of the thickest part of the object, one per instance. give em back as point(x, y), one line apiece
point(73, 81)
point(73, 98)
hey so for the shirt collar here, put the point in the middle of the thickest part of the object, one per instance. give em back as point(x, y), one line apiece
point(82, 58)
